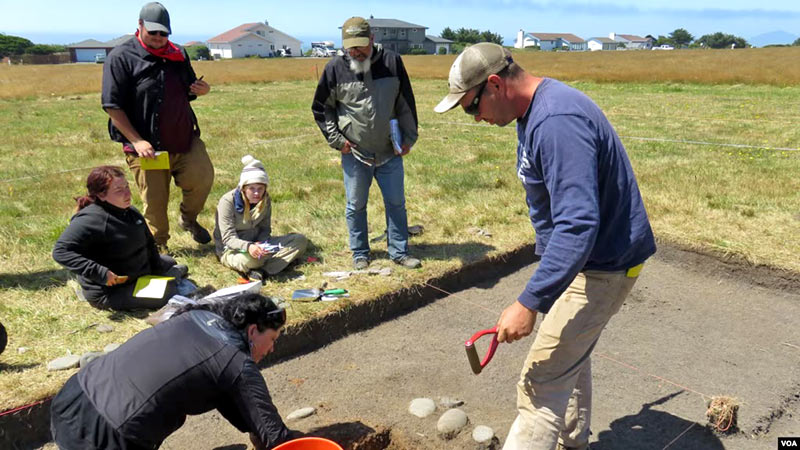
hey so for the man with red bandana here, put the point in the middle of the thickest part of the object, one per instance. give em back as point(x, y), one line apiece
point(148, 83)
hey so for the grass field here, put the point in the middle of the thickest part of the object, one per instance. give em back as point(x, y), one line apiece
point(769, 66)
point(717, 162)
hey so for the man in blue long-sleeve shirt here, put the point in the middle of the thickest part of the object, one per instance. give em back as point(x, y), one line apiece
point(592, 234)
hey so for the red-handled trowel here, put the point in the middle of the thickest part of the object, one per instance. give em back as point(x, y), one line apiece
point(472, 354)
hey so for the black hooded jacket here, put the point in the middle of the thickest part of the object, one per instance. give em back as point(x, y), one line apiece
point(102, 237)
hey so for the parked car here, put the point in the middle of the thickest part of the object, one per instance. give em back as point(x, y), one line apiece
point(664, 47)
point(322, 49)
point(100, 58)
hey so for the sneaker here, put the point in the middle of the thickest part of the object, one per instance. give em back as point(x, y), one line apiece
point(409, 262)
point(360, 263)
point(178, 271)
point(199, 234)
point(255, 275)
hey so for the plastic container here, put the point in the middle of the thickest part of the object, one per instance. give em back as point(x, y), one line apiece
point(309, 443)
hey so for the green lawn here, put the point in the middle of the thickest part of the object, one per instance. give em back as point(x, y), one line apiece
point(729, 200)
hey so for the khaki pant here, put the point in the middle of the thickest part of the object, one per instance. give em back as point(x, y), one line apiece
point(294, 245)
point(554, 393)
point(193, 173)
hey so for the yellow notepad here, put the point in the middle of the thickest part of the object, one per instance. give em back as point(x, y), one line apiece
point(161, 162)
point(151, 286)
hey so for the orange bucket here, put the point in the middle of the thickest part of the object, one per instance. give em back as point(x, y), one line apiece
point(309, 443)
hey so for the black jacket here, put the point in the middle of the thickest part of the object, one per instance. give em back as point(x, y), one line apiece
point(133, 81)
point(102, 237)
point(189, 364)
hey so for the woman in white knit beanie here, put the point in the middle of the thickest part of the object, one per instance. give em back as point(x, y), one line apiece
point(243, 229)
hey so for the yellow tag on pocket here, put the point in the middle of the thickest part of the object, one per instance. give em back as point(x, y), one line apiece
point(633, 272)
point(161, 162)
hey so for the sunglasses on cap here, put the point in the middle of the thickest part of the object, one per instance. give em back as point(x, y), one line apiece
point(277, 314)
point(160, 33)
point(472, 109)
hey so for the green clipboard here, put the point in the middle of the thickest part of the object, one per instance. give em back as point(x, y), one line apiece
point(161, 162)
point(151, 286)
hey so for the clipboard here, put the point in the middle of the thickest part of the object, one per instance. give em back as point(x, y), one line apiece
point(161, 162)
point(151, 286)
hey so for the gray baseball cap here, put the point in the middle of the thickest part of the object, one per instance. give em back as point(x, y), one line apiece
point(155, 17)
point(472, 67)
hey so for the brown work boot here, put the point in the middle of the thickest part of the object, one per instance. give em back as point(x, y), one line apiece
point(199, 234)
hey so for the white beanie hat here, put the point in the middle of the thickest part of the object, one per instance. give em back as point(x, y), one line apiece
point(253, 172)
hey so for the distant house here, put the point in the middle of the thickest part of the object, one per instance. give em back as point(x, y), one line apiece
point(631, 41)
point(601, 43)
point(434, 43)
point(397, 35)
point(87, 51)
point(253, 39)
point(550, 41)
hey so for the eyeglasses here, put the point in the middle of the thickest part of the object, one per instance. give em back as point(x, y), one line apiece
point(160, 33)
point(472, 109)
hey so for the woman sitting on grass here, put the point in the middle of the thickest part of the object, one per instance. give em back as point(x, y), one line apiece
point(108, 246)
point(243, 231)
point(205, 357)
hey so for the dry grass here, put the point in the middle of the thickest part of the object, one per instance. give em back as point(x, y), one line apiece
point(722, 414)
point(772, 66)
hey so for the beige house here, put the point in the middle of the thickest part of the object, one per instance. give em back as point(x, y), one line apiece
point(631, 41)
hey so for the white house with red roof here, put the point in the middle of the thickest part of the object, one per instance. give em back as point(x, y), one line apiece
point(253, 39)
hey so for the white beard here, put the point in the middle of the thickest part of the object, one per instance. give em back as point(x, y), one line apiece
point(359, 67)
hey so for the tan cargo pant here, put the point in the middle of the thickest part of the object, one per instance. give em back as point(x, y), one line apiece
point(554, 393)
point(294, 244)
point(193, 173)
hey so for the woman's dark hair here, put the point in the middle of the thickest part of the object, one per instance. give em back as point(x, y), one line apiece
point(242, 310)
point(97, 183)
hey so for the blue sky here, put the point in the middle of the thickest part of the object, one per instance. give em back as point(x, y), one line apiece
point(51, 21)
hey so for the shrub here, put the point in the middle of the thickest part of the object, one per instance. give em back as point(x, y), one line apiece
point(197, 52)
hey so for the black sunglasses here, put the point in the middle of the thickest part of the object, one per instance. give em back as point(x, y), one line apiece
point(472, 109)
point(277, 314)
point(160, 33)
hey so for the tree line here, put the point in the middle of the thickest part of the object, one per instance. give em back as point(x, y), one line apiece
point(16, 46)
point(471, 36)
point(680, 38)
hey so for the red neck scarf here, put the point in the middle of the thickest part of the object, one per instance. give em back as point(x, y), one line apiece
point(169, 51)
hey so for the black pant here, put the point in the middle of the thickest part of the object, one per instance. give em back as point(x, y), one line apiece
point(76, 424)
point(121, 298)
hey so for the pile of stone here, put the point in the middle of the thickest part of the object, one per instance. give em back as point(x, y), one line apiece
point(453, 420)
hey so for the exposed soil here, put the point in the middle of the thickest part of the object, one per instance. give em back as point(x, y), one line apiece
point(694, 327)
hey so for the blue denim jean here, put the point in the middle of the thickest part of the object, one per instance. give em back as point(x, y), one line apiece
point(357, 181)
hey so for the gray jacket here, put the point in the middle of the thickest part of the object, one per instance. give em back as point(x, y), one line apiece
point(231, 232)
point(358, 107)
